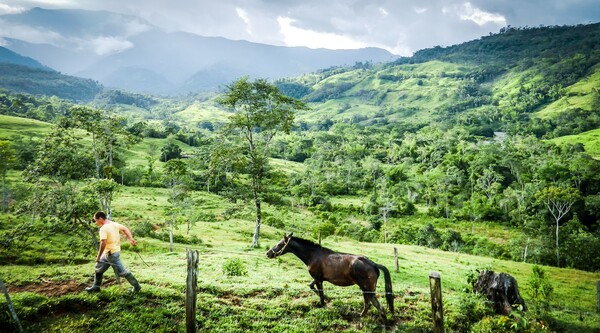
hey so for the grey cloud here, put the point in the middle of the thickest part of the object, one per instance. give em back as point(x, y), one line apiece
point(392, 24)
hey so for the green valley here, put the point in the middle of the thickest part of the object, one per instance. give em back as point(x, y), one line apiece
point(481, 155)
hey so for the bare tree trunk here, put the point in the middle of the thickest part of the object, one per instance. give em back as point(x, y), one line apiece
point(557, 249)
point(4, 194)
point(258, 220)
point(96, 157)
point(171, 235)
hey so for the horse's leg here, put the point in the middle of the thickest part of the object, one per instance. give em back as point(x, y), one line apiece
point(366, 297)
point(375, 302)
point(312, 287)
point(370, 298)
point(318, 290)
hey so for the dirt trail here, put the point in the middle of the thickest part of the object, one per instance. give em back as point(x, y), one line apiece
point(54, 288)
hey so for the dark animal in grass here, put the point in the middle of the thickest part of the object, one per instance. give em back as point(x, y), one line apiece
point(501, 289)
point(340, 269)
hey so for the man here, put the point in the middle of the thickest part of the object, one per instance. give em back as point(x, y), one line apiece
point(110, 250)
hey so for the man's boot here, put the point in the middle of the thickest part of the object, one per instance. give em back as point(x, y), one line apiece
point(132, 280)
point(97, 282)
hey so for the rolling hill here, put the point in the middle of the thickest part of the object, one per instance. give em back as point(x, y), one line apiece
point(543, 81)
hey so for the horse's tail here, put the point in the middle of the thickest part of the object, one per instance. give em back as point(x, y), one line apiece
point(389, 294)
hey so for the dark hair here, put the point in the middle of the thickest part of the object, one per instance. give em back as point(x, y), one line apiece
point(100, 215)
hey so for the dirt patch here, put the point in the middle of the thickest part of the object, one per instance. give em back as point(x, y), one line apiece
point(54, 288)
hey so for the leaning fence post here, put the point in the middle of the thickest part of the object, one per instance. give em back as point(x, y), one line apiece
point(435, 284)
point(190, 291)
point(396, 259)
point(10, 305)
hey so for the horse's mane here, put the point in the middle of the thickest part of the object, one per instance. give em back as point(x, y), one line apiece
point(309, 243)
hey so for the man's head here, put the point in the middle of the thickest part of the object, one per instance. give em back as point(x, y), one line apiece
point(99, 217)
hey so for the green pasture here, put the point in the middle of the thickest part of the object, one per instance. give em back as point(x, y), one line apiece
point(272, 294)
point(582, 95)
point(589, 139)
point(14, 126)
point(202, 111)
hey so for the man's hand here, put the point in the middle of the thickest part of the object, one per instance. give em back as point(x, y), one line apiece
point(132, 242)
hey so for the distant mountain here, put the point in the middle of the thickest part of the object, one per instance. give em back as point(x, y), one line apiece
point(127, 52)
point(42, 81)
point(10, 57)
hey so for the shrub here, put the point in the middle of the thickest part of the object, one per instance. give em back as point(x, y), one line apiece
point(515, 322)
point(451, 240)
point(274, 222)
point(540, 288)
point(234, 267)
point(429, 236)
point(470, 308)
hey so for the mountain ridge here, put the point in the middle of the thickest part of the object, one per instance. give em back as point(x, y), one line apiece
point(116, 49)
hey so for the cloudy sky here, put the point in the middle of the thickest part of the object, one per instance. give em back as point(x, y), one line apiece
point(399, 26)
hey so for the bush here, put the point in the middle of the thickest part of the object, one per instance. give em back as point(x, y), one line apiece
point(540, 288)
point(234, 267)
point(274, 222)
point(515, 322)
point(143, 229)
point(470, 309)
point(451, 240)
point(429, 236)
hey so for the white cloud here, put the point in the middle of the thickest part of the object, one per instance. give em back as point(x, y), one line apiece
point(30, 34)
point(56, 3)
point(109, 45)
point(7, 9)
point(467, 12)
point(293, 36)
point(419, 10)
point(136, 27)
point(383, 12)
point(244, 16)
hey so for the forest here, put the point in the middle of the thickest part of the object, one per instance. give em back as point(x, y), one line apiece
point(487, 148)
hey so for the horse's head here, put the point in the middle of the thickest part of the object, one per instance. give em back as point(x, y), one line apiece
point(281, 247)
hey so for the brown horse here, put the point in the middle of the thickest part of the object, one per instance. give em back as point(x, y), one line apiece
point(340, 269)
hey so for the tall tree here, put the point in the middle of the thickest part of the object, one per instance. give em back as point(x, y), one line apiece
point(88, 119)
point(175, 176)
point(260, 112)
point(558, 201)
point(104, 190)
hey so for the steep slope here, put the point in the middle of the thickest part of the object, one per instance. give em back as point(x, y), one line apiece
point(8, 56)
point(24, 79)
point(519, 79)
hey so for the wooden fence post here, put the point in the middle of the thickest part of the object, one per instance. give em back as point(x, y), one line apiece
point(435, 284)
point(396, 259)
point(598, 294)
point(191, 290)
point(10, 305)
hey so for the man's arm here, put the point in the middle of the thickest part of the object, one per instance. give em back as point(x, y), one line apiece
point(101, 249)
point(128, 234)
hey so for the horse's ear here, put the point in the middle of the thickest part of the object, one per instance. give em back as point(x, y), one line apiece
point(290, 235)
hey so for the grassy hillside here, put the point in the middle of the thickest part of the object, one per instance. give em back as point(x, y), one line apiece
point(590, 140)
point(16, 126)
point(541, 81)
point(273, 294)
